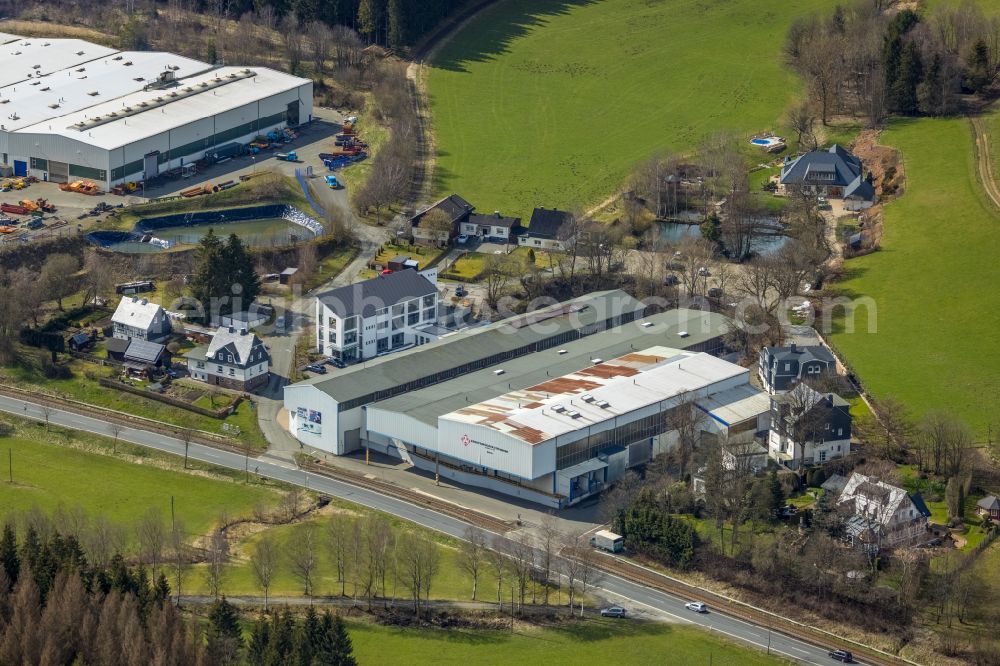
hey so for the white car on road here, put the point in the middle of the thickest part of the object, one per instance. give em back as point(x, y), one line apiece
point(696, 606)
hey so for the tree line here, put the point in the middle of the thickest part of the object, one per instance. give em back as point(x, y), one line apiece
point(864, 60)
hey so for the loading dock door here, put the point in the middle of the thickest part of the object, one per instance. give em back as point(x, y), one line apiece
point(20, 168)
point(151, 166)
point(292, 115)
point(58, 172)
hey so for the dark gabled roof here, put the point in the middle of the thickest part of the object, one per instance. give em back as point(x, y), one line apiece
point(495, 220)
point(143, 351)
point(920, 505)
point(990, 503)
point(365, 298)
point(80, 339)
point(801, 354)
point(845, 166)
point(860, 188)
point(546, 222)
point(116, 345)
point(452, 205)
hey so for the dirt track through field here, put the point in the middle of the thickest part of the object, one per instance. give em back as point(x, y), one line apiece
point(983, 159)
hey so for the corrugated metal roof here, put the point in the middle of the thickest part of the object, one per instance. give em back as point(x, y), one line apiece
point(474, 344)
point(551, 409)
point(427, 404)
point(18, 59)
point(182, 110)
point(70, 89)
point(736, 405)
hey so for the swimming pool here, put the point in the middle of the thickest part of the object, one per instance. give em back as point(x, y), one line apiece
point(258, 226)
point(769, 142)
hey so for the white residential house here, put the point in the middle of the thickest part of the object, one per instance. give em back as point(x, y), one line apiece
point(493, 227)
point(376, 316)
point(137, 318)
point(235, 359)
point(882, 515)
point(808, 428)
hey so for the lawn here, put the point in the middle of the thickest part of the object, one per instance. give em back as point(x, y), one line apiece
point(468, 267)
point(451, 582)
point(331, 265)
point(934, 306)
point(588, 641)
point(554, 102)
point(53, 467)
point(84, 389)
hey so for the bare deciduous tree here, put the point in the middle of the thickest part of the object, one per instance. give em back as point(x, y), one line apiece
point(264, 562)
point(152, 537)
point(339, 531)
point(473, 555)
point(303, 556)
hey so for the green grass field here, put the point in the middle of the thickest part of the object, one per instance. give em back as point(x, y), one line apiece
point(84, 389)
point(630, 642)
point(553, 102)
point(932, 283)
point(55, 467)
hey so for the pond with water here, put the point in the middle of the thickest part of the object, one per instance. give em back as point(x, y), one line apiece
point(262, 226)
point(674, 232)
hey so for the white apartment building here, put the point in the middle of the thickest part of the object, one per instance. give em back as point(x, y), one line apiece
point(376, 316)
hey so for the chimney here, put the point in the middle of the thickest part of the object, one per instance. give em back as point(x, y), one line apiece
point(145, 301)
point(232, 329)
point(135, 299)
point(794, 348)
point(497, 213)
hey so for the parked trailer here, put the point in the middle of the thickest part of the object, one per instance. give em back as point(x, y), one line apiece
point(14, 209)
point(609, 541)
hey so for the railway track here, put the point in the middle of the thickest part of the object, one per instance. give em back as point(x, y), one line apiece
point(623, 569)
point(479, 519)
point(125, 420)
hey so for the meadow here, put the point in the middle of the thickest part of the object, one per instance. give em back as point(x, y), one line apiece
point(589, 641)
point(936, 311)
point(554, 102)
point(53, 468)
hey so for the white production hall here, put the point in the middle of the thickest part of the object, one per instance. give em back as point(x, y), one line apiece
point(554, 425)
point(76, 110)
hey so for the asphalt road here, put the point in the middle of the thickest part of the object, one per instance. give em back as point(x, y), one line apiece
point(640, 599)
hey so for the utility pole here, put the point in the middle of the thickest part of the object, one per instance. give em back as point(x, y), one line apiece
point(246, 462)
point(437, 469)
point(10, 464)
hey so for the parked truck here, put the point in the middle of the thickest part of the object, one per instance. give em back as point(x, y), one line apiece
point(609, 541)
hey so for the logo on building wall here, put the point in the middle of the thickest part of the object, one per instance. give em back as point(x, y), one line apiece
point(465, 440)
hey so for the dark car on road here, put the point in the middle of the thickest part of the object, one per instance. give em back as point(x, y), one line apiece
point(315, 367)
point(842, 655)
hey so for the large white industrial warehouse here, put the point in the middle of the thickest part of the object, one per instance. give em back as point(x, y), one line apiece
point(70, 109)
point(551, 406)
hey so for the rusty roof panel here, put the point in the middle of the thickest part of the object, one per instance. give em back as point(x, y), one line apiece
point(527, 433)
point(607, 371)
point(564, 385)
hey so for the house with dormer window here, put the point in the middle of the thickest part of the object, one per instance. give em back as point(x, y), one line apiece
point(235, 359)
